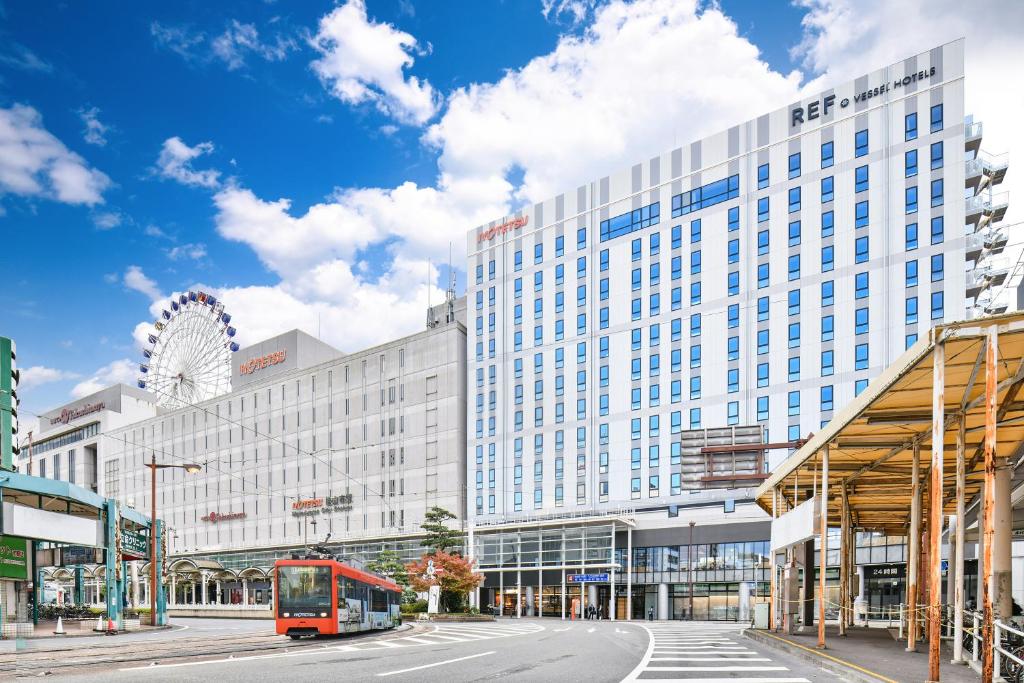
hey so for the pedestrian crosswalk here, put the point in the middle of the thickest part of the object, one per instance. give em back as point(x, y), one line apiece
point(446, 634)
point(702, 652)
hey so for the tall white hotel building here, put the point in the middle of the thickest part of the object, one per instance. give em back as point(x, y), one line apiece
point(759, 276)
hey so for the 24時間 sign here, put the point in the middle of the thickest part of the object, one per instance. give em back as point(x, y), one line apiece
point(507, 226)
point(253, 364)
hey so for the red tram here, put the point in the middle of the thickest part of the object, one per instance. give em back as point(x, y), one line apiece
point(325, 597)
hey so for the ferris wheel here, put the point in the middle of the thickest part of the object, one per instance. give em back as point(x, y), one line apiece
point(188, 359)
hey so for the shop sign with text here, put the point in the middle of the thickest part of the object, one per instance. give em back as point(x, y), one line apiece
point(253, 364)
point(134, 545)
point(13, 558)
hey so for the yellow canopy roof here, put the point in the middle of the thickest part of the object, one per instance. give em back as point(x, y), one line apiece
point(871, 440)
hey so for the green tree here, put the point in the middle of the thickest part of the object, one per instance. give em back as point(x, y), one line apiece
point(440, 537)
point(389, 565)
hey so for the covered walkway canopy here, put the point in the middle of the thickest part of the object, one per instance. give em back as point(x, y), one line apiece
point(949, 406)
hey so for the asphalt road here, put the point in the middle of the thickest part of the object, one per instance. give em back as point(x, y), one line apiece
point(522, 650)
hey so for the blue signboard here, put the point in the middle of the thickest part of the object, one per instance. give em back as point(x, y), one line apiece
point(586, 578)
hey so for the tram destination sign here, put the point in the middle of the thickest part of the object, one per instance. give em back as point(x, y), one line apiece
point(586, 578)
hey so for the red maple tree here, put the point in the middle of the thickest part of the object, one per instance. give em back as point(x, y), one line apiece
point(452, 573)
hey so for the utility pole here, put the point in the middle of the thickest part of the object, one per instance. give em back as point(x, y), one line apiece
point(689, 562)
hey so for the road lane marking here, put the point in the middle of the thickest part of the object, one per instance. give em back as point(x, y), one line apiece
point(727, 680)
point(710, 659)
point(560, 630)
point(656, 669)
point(591, 629)
point(430, 666)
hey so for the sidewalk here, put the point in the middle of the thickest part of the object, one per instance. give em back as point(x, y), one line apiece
point(866, 654)
point(73, 628)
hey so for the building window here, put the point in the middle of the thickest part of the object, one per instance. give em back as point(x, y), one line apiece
point(911, 199)
point(762, 176)
point(861, 249)
point(827, 154)
point(695, 231)
point(911, 310)
point(762, 375)
point(734, 251)
point(827, 328)
point(762, 209)
point(937, 267)
point(794, 233)
point(911, 236)
point(827, 223)
point(861, 289)
point(705, 196)
point(936, 118)
point(827, 362)
point(733, 413)
point(762, 308)
point(734, 219)
point(860, 179)
point(762, 275)
point(794, 165)
point(860, 357)
point(794, 199)
point(827, 258)
point(793, 403)
point(937, 305)
point(828, 189)
point(937, 230)
point(910, 269)
point(910, 126)
point(794, 302)
point(861, 143)
point(910, 163)
point(762, 242)
point(793, 266)
point(937, 192)
point(762, 408)
point(937, 155)
point(631, 221)
point(861, 321)
point(860, 214)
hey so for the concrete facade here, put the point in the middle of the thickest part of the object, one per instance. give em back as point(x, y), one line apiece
point(356, 446)
point(762, 275)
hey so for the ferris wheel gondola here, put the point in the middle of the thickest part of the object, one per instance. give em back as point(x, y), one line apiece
point(188, 358)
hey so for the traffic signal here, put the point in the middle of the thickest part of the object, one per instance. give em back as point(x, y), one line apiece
point(9, 376)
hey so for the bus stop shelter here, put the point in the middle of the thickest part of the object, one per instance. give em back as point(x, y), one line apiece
point(939, 429)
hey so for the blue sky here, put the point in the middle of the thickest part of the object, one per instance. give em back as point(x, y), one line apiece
point(311, 162)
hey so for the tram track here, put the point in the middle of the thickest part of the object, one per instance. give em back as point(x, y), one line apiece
point(63, 660)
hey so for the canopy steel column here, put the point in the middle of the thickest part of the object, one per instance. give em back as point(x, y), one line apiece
point(935, 510)
point(823, 553)
point(958, 562)
point(844, 565)
point(988, 503)
point(773, 586)
point(611, 606)
point(915, 550)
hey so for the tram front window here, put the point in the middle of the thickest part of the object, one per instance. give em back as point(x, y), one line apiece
point(304, 591)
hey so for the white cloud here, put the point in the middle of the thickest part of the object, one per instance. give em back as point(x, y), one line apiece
point(567, 116)
point(576, 10)
point(34, 163)
point(154, 231)
point(20, 57)
point(362, 60)
point(137, 280)
point(37, 375)
point(239, 40)
point(95, 132)
point(175, 163)
point(107, 220)
point(123, 371)
point(193, 251)
point(178, 39)
point(843, 37)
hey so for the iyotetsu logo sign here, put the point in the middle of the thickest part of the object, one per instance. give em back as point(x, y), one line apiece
point(492, 232)
point(253, 364)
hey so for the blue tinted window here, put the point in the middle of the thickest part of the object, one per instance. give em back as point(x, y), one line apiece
point(538, 252)
point(861, 321)
point(762, 275)
point(910, 163)
point(794, 199)
point(762, 209)
point(794, 165)
point(626, 223)
point(734, 218)
point(559, 246)
point(938, 271)
point(762, 242)
point(936, 118)
point(911, 199)
point(937, 230)
point(794, 233)
point(828, 222)
point(827, 154)
point(762, 176)
point(695, 231)
point(861, 179)
point(762, 308)
point(827, 189)
point(705, 196)
point(910, 268)
point(861, 143)
point(937, 192)
point(734, 251)
point(937, 155)
point(828, 293)
point(827, 258)
point(734, 348)
point(911, 236)
point(827, 328)
point(604, 260)
point(860, 214)
point(911, 310)
point(734, 315)
point(793, 302)
point(861, 249)
point(793, 267)
point(860, 357)
point(910, 126)
point(734, 283)
point(938, 301)
point(861, 285)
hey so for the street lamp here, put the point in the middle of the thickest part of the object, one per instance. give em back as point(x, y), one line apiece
point(191, 468)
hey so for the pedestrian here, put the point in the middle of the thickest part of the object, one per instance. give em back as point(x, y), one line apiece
point(650, 614)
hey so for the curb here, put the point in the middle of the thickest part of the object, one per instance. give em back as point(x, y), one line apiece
point(828, 663)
